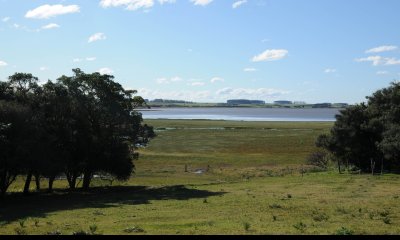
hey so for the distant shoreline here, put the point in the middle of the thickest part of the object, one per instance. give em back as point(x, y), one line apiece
point(223, 105)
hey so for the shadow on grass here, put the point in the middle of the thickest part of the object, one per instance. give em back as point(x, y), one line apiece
point(17, 206)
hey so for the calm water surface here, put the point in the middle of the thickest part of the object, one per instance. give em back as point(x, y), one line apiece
point(243, 114)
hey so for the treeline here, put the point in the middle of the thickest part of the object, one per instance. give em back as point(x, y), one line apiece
point(78, 126)
point(367, 136)
point(244, 101)
point(160, 100)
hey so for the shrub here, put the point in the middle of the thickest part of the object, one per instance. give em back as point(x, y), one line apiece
point(246, 226)
point(344, 231)
point(318, 159)
point(93, 229)
point(387, 220)
point(134, 229)
point(22, 223)
point(20, 231)
point(319, 217)
point(300, 226)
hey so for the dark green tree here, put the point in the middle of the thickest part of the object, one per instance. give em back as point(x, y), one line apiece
point(105, 118)
point(14, 121)
point(367, 135)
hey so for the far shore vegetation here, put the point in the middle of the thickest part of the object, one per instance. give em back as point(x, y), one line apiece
point(240, 103)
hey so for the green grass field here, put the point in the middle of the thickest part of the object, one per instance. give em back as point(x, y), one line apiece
point(254, 185)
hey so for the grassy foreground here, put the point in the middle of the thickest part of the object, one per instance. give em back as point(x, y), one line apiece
point(241, 178)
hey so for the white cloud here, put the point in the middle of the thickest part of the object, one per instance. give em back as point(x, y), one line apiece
point(216, 79)
point(3, 64)
point(271, 55)
point(392, 61)
point(176, 79)
point(43, 68)
point(330, 70)
point(220, 95)
point(50, 26)
point(249, 70)
point(48, 11)
point(201, 2)
point(164, 80)
point(382, 73)
point(90, 59)
point(128, 4)
point(247, 93)
point(166, 1)
point(378, 60)
point(381, 49)
point(5, 19)
point(97, 37)
point(176, 95)
point(105, 71)
point(196, 84)
point(238, 3)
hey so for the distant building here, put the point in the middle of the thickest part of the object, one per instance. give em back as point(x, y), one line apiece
point(299, 102)
point(283, 102)
point(245, 101)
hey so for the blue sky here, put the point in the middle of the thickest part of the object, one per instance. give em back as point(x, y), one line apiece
point(210, 50)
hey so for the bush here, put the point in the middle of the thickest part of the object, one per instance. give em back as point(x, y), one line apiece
point(318, 159)
point(246, 226)
point(344, 231)
point(319, 217)
point(300, 226)
point(134, 229)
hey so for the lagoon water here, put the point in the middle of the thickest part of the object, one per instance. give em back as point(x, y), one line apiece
point(244, 114)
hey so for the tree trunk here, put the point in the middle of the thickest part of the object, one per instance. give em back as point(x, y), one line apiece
point(87, 177)
point(37, 181)
point(27, 183)
point(72, 183)
point(72, 180)
point(382, 166)
point(338, 163)
point(3, 184)
point(372, 166)
point(51, 181)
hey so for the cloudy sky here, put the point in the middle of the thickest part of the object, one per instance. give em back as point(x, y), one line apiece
point(210, 50)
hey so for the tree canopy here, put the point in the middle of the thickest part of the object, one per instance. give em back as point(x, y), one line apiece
point(77, 126)
point(367, 135)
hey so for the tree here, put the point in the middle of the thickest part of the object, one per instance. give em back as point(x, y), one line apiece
point(367, 135)
point(105, 118)
point(57, 123)
point(13, 124)
point(80, 125)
